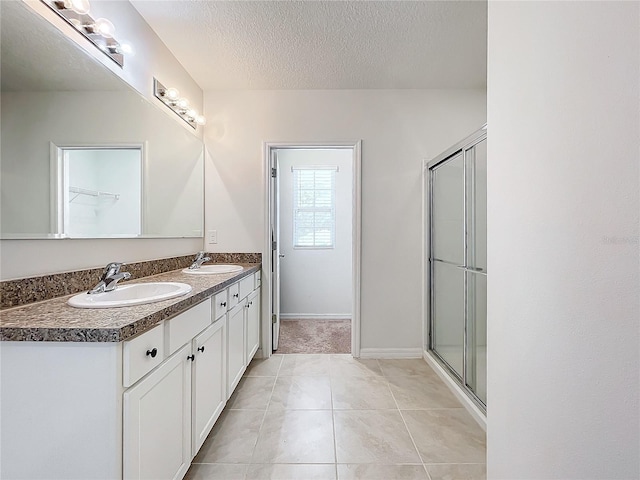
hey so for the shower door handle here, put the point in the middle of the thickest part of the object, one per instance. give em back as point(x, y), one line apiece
point(470, 269)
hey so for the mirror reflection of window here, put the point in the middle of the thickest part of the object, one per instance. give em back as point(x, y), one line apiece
point(100, 192)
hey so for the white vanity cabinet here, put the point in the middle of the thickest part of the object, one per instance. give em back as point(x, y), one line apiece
point(137, 409)
point(209, 381)
point(243, 329)
point(236, 363)
point(168, 414)
point(252, 317)
point(157, 421)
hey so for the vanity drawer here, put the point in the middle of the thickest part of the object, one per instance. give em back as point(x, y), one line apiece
point(182, 328)
point(142, 354)
point(234, 296)
point(220, 302)
point(246, 286)
point(257, 280)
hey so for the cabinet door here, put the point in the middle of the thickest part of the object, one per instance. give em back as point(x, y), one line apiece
point(157, 422)
point(235, 347)
point(253, 324)
point(208, 381)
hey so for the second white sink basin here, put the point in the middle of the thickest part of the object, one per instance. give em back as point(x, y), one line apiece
point(213, 269)
point(128, 295)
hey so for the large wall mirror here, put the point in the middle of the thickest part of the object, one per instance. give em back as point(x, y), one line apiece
point(83, 155)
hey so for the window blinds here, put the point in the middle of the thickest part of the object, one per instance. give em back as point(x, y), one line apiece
point(314, 207)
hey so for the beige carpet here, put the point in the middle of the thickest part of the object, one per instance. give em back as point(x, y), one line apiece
point(315, 336)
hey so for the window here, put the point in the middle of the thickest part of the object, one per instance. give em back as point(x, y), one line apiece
point(314, 207)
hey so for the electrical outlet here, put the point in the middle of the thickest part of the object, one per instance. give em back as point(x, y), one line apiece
point(213, 236)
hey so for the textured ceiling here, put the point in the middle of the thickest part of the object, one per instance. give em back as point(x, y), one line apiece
point(36, 57)
point(325, 44)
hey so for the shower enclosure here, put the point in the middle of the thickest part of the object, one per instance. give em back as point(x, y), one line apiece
point(456, 223)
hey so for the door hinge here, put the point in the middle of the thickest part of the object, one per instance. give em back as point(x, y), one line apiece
point(274, 318)
point(274, 172)
point(274, 245)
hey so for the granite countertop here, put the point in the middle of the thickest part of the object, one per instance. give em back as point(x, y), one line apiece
point(55, 321)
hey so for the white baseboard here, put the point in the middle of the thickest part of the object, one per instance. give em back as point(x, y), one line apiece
point(315, 316)
point(391, 352)
point(467, 403)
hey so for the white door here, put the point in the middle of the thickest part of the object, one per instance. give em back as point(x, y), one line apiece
point(275, 249)
point(157, 422)
point(209, 380)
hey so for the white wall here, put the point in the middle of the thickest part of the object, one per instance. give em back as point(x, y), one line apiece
point(316, 282)
point(21, 258)
point(398, 130)
point(563, 183)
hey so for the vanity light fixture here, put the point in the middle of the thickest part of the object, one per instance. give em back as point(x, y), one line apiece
point(79, 6)
point(98, 31)
point(171, 98)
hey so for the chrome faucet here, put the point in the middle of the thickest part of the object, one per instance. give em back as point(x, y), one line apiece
point(110, 278)
point(200, 259)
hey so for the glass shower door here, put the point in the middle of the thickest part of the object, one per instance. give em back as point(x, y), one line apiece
point(458, 263)
point(476, 271)
point(447, 253)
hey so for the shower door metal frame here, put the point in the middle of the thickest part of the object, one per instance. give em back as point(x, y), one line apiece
point(429, 167)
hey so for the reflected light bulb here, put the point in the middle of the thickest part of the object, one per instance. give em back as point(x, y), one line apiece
point(191, 114)
point(172, 93)
point(79, 6)
point(76, 23)
point(127, 49)
point(183, 103)
point(104, 27)
point(200, 120)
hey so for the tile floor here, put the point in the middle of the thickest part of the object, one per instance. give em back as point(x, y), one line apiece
point(308, 417)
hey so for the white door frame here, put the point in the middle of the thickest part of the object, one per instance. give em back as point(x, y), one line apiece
point(356, 236)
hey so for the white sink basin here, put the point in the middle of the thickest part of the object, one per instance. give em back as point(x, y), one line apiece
point(213, 269)
point(127, 295)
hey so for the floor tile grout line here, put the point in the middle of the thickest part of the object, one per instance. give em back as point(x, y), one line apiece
point(333, 423)
point(409, 431)
point(253, 451)
point(427, 471)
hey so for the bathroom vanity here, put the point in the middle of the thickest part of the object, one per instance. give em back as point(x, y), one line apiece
point(126, 392)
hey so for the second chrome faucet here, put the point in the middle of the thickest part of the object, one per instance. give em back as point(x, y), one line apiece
point(199, 260)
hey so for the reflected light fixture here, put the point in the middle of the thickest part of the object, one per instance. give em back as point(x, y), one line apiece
point(103, 27)
point(79, 6)
point(170, 96)
point(126, 48)
point(172, 93)
point(100, 31)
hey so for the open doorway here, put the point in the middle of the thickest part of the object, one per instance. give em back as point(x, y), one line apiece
point(314, 246)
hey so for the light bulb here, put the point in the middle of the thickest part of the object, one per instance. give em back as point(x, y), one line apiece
point(200, 120)
point(126, 49)
point(171, 93)
point(104, 27)
point(76, 23)
point(183, 103)
point(79, 6)
point(191, 114)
